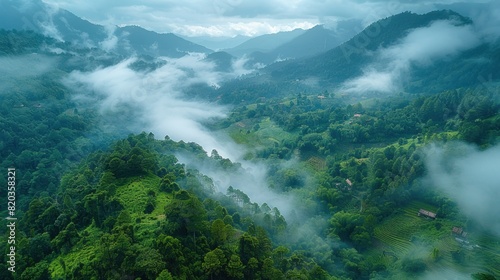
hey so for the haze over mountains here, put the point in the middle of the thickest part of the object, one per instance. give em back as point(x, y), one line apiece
point(400, 53)
point(145, 155)
point(310, 52)
point(64, 26)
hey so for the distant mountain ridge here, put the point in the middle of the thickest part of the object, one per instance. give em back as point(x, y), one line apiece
point(348, 59)
point(265, 43)
point(295, 44)
point(329, 70)
point(64, 25)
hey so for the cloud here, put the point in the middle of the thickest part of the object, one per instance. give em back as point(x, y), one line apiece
point(251, 179)
point(214, 18)
point(13, 68)
point(470, 177)
point(243, 27)
point(422, 46)
point(111, 40)
point(45, 21)
point(487, 20)
point(155, 100)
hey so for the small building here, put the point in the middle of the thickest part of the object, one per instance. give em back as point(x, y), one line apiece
point(426, 213)
point(348, 182)
point(357, 115)
point(458, 231)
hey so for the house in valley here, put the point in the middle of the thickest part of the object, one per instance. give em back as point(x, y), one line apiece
point(458, 231)
point(426, 213)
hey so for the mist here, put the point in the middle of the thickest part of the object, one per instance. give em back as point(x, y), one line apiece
point(13, 68)
point(421, 47)
point(251, 179)
point(470, 177)
point(154, 100)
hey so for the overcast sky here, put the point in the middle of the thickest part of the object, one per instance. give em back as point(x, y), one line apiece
point(243, 17)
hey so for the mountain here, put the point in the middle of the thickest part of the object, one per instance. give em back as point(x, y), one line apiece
point(348, 59)
point(265, 43)
point(65, 26)
point(299, 43)
point(317, 186)
point(222, 60)
point(151, 43)
point(317, 40)
point(378, 50)
point(218, 43)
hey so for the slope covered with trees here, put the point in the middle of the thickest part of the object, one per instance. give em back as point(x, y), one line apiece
point(97, 203)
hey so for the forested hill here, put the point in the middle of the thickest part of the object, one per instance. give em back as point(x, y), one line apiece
point(135, 212)
point(322, 184)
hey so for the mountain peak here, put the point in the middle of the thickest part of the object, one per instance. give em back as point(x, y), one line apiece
point(66, 26)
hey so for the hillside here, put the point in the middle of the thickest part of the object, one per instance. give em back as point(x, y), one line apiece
point(180, 167)
point(373, 62)
point(65, 26)
point(296, 44)
point(265, 43)
point(348, 59)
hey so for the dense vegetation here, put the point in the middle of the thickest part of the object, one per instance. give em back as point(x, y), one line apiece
point(96, 204)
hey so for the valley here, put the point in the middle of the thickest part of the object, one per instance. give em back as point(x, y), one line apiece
point(158, 158)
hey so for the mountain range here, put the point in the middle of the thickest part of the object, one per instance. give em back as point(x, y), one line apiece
point(127, 40)
point(348, 153)
point(335, 57)
point(295, 44)
point(406, 52)
point(65, 26)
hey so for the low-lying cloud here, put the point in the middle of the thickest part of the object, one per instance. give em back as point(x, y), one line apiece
point(422, 47)
point(13, 68)
point(470, 177)
point(155, 100)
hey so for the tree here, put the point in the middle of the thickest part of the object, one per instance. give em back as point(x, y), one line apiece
point(218, 232)
point(149, 263)
point(413, 266)
point(251, 268)
point(186, 214)
point(213, 262)
point(269, 272)
point(171, 250)
point(344, 223)
point(66, 238)
point(165, 275)
point(38, 272)
point(482, 276)
point(235, 267)
point(248, 247)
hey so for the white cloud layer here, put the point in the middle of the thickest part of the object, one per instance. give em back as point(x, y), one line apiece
point(232, 17)
point(156, 98)
point(422, 47)
point(155, 101)
point(470, 177)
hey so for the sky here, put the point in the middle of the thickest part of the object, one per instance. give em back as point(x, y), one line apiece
point(228, 18)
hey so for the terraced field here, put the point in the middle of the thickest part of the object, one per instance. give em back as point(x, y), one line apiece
point(407, 235)
point(397, 234)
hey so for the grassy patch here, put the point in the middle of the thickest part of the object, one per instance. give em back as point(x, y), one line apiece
point(134, 194)
point(268, 133)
